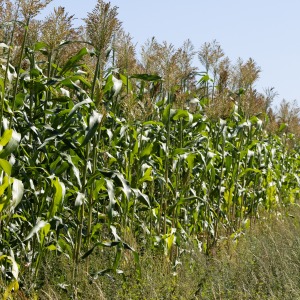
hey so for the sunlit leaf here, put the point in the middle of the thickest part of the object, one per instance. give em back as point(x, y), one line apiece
point(12, 145)
point(39, 225)
point(79, 199)
point(5, 166)
point(73, 61)
point(58, 196)
point(17, 193)
point(94, 122)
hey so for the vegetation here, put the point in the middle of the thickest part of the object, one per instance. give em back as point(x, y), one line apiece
point(110, 163)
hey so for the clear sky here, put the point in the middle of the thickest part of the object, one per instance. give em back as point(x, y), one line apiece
point(266, 30)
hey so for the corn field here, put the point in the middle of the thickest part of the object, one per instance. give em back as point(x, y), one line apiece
point(91, 151)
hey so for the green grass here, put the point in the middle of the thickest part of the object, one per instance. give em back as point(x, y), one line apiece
point(264, 263)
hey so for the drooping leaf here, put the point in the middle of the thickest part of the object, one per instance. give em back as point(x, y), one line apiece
point(146, 77)
point(94, 121)
point(147, 150)
point(142, 197)
point(117, 85)
point(114, 233)
point(17, 193)
point(12, 145)
point(104, 244)
point(184, 114)
point(74, 168)
point(146, 177)
point(79, 199)
point(39, 225)
point(111, 195)
point(125, 184)
point(73, 61)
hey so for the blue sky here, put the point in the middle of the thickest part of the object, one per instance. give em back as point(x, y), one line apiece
point(266, 30)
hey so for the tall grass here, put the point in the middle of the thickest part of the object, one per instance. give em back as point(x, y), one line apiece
point(90, 177)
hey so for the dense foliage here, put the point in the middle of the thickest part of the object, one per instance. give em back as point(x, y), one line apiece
point(93, 152)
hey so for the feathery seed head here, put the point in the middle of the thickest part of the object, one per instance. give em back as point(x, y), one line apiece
point(31, 8)
point(101, 24)
point(57, 27)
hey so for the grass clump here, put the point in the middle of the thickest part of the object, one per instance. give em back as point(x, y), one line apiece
point(264, 263)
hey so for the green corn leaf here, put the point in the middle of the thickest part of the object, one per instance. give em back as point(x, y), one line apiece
point(189, 200)
point(74, 168)
point(190, 160)
point(108, 84)
point(125, 184)
point(95, 120)
point(66, 124)
point(40, 45)
point(2, 88)
point(81, 79)
point(184, 114)
point(117, 258)
point(5, 166)
point(5, 183)
point(134, 151)
point(156, 123)
point(142, 197)
point(99, 185)
point(16, 216)
point(283, 126)
point(147, 150)
point(39, 225)
point(62, 168)
point(44, 231)
point(104, 244)
point(51, 248)
point(73, 61)
point(146, 177)
point(166, 114)
point(71, 85)
point(11, 146)
point(111, 195)
point(58, 197)
point(248, 170)
point(17, 193)
point(14, 265)
point(126, 82)
point(146, 77)
point(6, 137)
point(79, 199)
point(20, 99)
